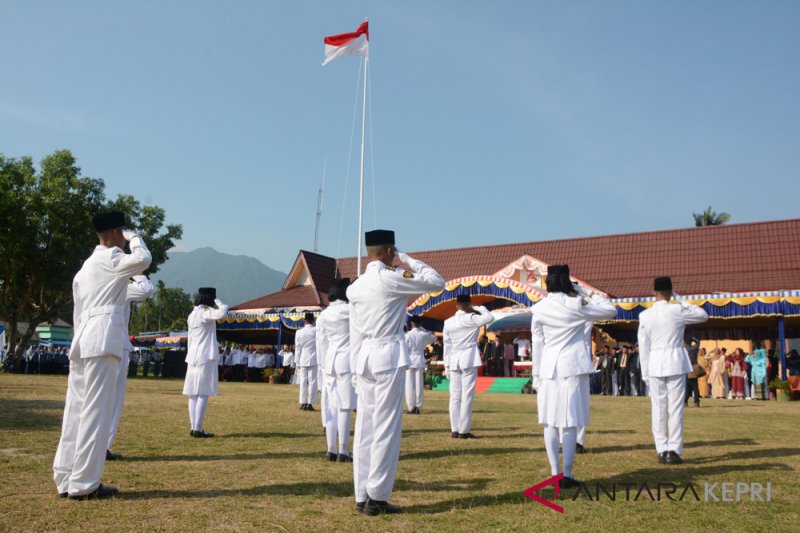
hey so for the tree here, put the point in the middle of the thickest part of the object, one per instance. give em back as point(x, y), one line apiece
point(46, 233)
point(167, 310)
point(710, 218)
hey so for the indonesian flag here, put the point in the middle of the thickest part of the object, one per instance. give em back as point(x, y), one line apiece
point(347, 44)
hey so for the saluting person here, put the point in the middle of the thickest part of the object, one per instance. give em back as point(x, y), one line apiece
point(416, 340)
point(462, 360)
point(202, 351)
point(139, 289)
point(305, 355)
point(333, 348)
point(665, 363)
point(99, 292)
point(378, 301)
point(562, 363)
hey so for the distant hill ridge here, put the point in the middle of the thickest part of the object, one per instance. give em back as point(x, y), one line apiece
point(238, 278)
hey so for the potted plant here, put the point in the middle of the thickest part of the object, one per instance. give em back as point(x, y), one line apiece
point(269, 375)
point(781, 387)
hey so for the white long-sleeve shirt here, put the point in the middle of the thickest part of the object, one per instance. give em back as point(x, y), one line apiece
point(460, 336)
point(378, 302)
point(662, 352)
point(333, 338)
point(305, 346)
point(201, 342)
point(416, 340)
point(559, 330)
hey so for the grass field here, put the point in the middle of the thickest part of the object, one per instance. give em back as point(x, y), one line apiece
point(265, 472)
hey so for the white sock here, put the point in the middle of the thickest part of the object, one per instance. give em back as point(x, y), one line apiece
point(344, 431)
point(551, 445)
point(192, 409)
point(200, 413)
point(568, 449)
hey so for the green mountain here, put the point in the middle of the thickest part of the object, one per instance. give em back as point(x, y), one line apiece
point(238, 278)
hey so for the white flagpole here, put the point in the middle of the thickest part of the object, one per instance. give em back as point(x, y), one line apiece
point(361, 189)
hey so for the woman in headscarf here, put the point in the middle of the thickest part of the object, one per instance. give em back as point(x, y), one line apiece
point(705, 364)
point(758, 361)
point(562, 363)
point(717, 364)
point(738, 374)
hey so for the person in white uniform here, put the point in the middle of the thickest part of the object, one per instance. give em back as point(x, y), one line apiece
point(462, 360)
point(139, 289)
point(665, 363)
point(416, 341)
point(287, 360)
point(305, 356)
point(99, 292)
point(523, 347)
point(202, 351)
point(562, 363)
point(378, 301)
point(333, 349)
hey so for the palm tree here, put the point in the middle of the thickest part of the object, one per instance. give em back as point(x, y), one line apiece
point(710, 218)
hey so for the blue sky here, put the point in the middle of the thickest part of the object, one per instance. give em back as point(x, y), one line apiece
point(485, 115)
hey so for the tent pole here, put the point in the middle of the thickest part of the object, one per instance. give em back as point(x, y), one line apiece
point(782, 346)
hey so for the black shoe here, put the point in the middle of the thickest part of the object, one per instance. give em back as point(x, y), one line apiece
point(344, 458)
point(191, 433)
point(63, 495)
point(97, 494)
point(203, 434)
point(376, 507)
point(332, 457)
point(673, 458)
point(411, 412)
point(568, 482)
point(467, 436)
point(360, 507)
point(302, 407)
point(416, 410)
point(579, 448)
point(697, 404)
point(111, 456)
point(454, 434)
point(662, 458)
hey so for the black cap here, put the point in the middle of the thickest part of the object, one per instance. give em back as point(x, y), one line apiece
point(378, 237)
point(206, 296)
point(106, 221)
point(309, 317)
point(662, 284)
point(555, 270)
point(416, 319)
point(463, 299)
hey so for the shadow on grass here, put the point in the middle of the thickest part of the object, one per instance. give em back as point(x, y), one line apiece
point(269, 435)
point(339, 489)
point(446, 431)
point(456, 452)
point(229, 457)
point(693, 444)
point(30, 414)
point(468, 502)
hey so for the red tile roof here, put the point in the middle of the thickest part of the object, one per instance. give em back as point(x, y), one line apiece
point(304, 296)
point(730, 258)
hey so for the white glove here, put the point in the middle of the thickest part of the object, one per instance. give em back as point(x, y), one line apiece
point(680, 300)
point(218, 302)
point(646, 379)
point(446, 374)
point(140, 278)
point(537, 382)
point(128, 234)
point(404, 257)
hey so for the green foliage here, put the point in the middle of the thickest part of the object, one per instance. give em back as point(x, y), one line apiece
point(166, 311)
point(46, 233)
point(709, 217)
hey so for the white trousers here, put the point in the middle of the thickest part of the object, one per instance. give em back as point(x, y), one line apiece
point(415, 387)
point(666, 397)
point(462, 392)
point(119, 398)
point(307, 379)
point(81, 453)
point(376, 446)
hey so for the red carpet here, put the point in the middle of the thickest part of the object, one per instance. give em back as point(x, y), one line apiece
point(483, 383)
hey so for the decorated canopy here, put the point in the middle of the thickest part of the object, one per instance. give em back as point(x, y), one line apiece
point(482, 289)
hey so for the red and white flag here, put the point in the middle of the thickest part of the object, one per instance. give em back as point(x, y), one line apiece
point(347, 44)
